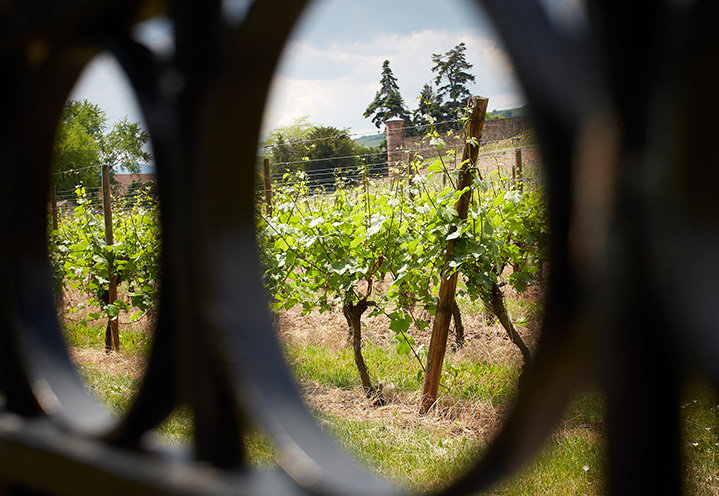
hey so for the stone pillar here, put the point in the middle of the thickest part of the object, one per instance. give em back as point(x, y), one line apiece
point(395, 141)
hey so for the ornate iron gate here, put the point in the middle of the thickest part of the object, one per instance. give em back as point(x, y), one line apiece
point(624, 106)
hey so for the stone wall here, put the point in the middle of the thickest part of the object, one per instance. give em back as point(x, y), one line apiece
point(494, 130)
point(498, 129)
point(396, 142)
point(398, 145)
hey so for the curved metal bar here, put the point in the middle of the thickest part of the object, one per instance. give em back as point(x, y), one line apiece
point(229, 276)
point(36, 336)
point(562, 360)
point(160, 391)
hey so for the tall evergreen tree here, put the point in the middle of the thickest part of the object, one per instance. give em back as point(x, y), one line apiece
point(429, 106)
point(388, 101)
point(452, 79)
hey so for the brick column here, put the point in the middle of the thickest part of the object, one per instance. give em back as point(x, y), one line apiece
point(395, 141)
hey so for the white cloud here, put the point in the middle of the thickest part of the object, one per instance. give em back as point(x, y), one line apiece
point(334, 84)
point(104, 83)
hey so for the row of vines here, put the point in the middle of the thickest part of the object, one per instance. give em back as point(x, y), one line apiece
point(80, 258)
point(329, 250)
point(368, 246)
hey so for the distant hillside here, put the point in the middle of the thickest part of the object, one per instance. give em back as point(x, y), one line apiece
point(371, 141)
point(504, 114)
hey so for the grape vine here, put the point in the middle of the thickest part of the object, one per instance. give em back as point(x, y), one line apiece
point(329, 250)
point(79, 255)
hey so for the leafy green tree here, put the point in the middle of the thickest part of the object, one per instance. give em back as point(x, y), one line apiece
point(123, 146)
point(322, 152)
point(388, 101)
point(286, 144)
point(283, 154)
point(83, 144)
point(373, 158)
point(452, 79)
point(76, 154)
point(429, 107)
point(330, 153)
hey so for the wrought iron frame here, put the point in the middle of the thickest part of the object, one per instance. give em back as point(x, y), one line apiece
point(623, 107)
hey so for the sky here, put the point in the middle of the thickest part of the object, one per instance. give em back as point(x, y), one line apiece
point(330, 70)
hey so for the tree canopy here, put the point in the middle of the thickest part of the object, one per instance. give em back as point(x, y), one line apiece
point(83, 144)
point(452, 79)
point(428, 107)
point(388, 101)
point(322, 152)
point(438, 102)
point(331, 152)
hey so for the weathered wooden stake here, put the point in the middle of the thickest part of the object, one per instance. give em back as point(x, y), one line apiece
point(112, 334)
point(448, 284)
point(268, 186)
point(59, 295)
point(518, 167)
point(53, 206)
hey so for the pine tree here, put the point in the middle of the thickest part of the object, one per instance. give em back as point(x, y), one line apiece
point(388, 101)
point(452, 79)
point(429, 106)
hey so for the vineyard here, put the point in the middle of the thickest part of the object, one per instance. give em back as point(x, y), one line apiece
point(365, 245)
point(296, 310)
point(354, 270)
point(379, 247)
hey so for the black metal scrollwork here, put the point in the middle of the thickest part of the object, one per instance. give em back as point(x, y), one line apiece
point(627, 156)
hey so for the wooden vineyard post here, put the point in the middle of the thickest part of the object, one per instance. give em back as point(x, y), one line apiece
point(518, 166)
point(448, 284)
point(53, 206)
point(59, 295)
point(268, 186)
point(112, 334)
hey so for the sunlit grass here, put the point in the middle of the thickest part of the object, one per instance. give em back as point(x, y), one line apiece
point(421, 455)
point(468, 378)
point(84, 334)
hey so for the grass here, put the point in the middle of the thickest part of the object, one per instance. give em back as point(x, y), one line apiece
point(700, 439)
point(417, 458)
point(465, 379)
point(83, 334)
point(571, 464)
point(421, 452)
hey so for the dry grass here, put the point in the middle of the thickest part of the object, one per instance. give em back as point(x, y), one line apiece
point(113, 364)
point(486, 341)
point(473, 420)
